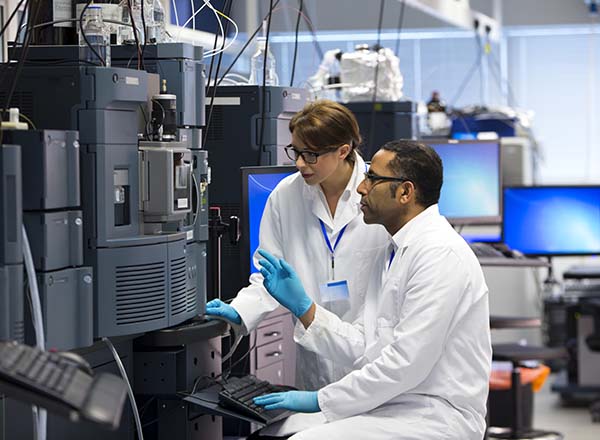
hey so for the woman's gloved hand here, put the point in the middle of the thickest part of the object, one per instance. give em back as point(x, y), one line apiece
point(282, 282)
point(216, 307)
point(299, 401)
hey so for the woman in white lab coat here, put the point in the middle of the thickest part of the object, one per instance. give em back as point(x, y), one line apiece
point(313, 220)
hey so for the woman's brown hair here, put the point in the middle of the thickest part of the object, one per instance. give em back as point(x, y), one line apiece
point(324, 124)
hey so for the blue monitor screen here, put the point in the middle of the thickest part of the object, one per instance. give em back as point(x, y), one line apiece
point(552, 220)
point(472, 187)
point(260, 186)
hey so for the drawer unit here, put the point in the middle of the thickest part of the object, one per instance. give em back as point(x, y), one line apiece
point(272, 373)
point(269, 333)
point(269, 354)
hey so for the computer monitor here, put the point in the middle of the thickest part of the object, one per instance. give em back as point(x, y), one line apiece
point(552, 220)
point(472, 189)
point(257, 185)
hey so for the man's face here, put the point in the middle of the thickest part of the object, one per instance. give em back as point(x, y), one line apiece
point(378, 203)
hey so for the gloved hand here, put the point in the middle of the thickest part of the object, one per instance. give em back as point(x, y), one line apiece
point(299, 401)
point(217, 307)
point(283, 284)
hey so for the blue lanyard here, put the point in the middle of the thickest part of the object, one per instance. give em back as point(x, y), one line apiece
point(393, 254)
point(332, 249)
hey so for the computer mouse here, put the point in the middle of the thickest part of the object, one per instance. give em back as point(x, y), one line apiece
point(77, 360)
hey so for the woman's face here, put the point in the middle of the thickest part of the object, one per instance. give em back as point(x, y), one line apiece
point(326, 166)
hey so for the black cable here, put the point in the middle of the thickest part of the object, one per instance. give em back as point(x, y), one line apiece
point(7, 66)
point(400, 25)
point(135, 35)
point(212, 62)
point(227, 10)
point(212, 58)
point(87, 5)
point(467, 78)
point(296, 42)
point(313, 32)
point(264, 84)
point(143, 65)
point(244, 356)
point(11, 17)
point(480, 51)
point(31, 18)
point(237, 57)
point(377, 47)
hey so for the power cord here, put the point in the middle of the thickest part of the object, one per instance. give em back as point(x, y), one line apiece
point(134, 408)
point(296, 42)
point(227, 7)
point(264, 83)
point(400, 25)
point(245, 46)
point(374, 100)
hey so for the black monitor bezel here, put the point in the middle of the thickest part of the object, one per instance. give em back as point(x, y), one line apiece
point(244, 242)
point(488, 220)
point(553, 254)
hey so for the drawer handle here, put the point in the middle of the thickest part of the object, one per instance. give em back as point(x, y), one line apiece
point(271, 334)
point(273, 354)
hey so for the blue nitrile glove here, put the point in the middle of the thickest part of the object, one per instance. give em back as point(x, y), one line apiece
point(217, 307)
point(283, 284)
point(299, 401)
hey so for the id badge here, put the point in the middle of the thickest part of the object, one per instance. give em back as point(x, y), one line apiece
point(334, 291)
point(335, 297)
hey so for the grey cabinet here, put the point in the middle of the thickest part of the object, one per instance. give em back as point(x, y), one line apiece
point(273, 357)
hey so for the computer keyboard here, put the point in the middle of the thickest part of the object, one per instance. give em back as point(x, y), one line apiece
point(238, 393)
point(60, 384)
point(485, 250)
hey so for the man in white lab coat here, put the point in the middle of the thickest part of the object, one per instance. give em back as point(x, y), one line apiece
point(420, 350)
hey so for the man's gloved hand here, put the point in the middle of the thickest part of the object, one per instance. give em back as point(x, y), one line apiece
point(283, 284)
point(300, 401)
point(217, 307)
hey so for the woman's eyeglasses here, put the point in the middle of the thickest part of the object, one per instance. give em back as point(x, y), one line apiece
point(308, 156)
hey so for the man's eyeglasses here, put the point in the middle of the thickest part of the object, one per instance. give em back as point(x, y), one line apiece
point(372, 178)
point(308, 156)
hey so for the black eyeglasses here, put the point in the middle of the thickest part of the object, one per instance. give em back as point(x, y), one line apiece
point(372, 178)
point(308, 156)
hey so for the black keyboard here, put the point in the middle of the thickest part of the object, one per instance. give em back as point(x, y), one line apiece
point(60, 384)
point(238, 392)
point(485, 250)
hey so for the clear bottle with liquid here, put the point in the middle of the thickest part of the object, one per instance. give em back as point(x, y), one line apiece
point(257, 66)
point(126, 36)
point(97, 36)
point(157, 32)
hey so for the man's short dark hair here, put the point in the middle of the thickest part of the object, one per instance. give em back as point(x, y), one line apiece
point(420, 164)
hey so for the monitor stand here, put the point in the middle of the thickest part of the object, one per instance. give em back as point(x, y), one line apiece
point(551, 285)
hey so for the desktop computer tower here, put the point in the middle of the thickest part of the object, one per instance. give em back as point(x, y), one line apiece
point(233, 140)
point(392, 120)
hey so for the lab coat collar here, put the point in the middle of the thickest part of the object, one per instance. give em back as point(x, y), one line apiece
point(348, 206)
point(412, 229)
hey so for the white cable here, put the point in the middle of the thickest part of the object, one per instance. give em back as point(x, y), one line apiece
point(231, 41)
point(198, 202)
point(217, 17)
point(136, 414)
point(175, 12)
point(189, 20)
point(39, 414)
point(193, 14)
point(237, 75)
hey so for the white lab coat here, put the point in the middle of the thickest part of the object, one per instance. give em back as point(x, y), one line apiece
point(420, 352)
point(290, 229)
